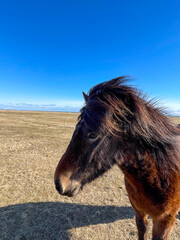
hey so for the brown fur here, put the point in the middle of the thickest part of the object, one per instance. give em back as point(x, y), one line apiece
point(118, 125)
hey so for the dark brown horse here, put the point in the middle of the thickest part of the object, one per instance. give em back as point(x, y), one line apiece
point(119, 126)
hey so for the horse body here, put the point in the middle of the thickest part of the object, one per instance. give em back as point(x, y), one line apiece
point(119, 126)
point(151, 193)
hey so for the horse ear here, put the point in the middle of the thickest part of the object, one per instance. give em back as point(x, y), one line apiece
point(85, 97)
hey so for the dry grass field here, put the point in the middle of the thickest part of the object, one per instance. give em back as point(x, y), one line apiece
point(31, 144)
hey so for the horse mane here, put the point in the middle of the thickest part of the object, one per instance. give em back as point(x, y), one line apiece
point(130, 112)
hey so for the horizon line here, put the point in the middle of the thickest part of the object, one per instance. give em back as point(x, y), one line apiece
point(170, 110)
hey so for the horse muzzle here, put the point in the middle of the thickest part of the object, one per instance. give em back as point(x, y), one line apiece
point(63, 177)
point(70, 190)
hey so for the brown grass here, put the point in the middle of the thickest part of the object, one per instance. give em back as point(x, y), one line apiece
point(31, 144)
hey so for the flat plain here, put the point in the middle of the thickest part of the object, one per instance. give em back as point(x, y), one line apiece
point(31, 144)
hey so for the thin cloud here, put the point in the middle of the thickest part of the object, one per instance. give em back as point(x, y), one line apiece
point(63, 106)
point(171, 107)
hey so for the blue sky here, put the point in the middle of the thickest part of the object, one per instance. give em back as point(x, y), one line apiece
point(51, 51)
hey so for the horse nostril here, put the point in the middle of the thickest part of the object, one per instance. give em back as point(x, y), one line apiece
point(58, 186)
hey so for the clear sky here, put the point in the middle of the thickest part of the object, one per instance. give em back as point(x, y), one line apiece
point(51, 51)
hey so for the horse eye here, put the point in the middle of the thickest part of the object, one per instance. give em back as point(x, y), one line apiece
point(92, 135)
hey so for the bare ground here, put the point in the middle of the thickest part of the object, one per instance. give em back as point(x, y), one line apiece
point(31, 144)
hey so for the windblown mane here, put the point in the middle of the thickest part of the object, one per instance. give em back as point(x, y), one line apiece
point(129, 112)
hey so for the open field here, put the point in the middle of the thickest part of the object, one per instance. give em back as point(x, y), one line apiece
point(31, 144)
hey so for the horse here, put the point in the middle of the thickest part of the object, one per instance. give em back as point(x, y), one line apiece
point(119, 125)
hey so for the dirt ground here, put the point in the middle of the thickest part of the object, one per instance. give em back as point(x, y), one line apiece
point(31, 144)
